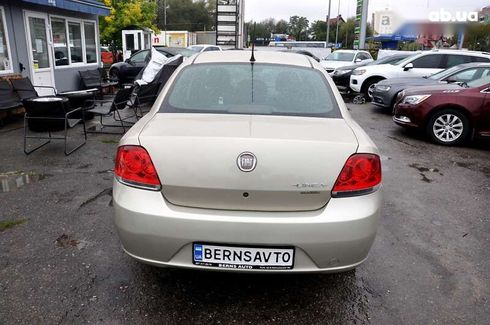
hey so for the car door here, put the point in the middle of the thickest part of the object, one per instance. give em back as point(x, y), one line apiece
point(425, 66)
point(485, 116)
point(135, 63)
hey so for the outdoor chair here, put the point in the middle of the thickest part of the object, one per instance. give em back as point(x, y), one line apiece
point(26, 90)
point(118, 103)
point(9, 100)
point(52, 114)
point(145, 95)
point(95, 79)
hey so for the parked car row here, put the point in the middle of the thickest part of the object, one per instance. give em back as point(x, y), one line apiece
point(445, 93)
point(341, 76)
point(449, 113)
point(126, 71)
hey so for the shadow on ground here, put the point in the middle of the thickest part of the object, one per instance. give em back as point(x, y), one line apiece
point(209, 297)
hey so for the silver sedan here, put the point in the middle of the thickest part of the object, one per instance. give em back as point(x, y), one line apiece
point(248, 164)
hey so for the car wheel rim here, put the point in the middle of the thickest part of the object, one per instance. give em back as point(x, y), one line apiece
point(448, 128)
point(371, 90)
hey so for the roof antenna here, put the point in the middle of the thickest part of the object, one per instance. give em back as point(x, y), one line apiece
point(252, 58)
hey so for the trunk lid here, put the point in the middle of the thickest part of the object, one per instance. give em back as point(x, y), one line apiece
point(298, 160)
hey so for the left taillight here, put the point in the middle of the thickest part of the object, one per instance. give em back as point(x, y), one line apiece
point(135, 168)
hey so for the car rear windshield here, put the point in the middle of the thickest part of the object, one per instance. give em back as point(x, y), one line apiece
point(257, 89)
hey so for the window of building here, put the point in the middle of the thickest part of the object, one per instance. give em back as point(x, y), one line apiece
point(5, 63)
point(60, 42)
point(75, 31)
point(74, 41)
point(90, 43)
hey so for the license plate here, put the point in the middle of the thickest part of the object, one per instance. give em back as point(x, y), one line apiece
point(248, 258)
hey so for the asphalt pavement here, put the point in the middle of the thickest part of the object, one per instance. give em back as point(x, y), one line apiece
point(61, 262)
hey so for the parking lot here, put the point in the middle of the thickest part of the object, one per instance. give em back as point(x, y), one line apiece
point(62, 264)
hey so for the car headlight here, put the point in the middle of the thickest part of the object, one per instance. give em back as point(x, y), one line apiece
point(341, 72)
point(382, 87)
point(415, 99)
point(358, 72)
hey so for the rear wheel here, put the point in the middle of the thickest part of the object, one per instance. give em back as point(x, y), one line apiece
point(448, 127)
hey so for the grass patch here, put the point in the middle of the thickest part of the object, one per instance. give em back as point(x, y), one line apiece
point(6, 224)
point(109, 141)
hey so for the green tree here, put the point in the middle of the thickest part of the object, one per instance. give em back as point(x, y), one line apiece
point(282, 27)
point(298, 26)
point(346, 33)
point(319, 30)
point(477, 37)
point(126, 13)
point(258, 30)
point(186, 15)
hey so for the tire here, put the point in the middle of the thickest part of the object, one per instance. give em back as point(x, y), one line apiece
point(370, 83)
point(448, 127)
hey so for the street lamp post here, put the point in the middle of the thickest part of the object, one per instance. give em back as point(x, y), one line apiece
point(337, 32)
point(165, 14)
point(328, 22)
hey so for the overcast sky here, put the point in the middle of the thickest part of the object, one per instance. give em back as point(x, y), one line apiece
point(317, 9)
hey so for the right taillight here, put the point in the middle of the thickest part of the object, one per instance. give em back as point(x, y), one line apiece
point(361, 175)
point(135, 168)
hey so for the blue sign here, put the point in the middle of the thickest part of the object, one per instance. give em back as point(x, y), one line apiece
point(197, 252)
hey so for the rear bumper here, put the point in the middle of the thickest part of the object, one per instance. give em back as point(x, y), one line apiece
point(335, 238)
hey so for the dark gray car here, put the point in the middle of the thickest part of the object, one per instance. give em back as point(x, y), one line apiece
point(386, 91)
point(126, 71)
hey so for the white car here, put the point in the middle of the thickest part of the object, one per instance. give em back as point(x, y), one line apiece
point(342, 58)
point(364, 79)
point(204, 48)
point(248, 163)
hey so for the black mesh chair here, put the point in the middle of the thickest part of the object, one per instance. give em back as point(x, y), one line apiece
point(47, 115)
point(26, 90)
point(95, 79)
point(8, 98)
point(113, 110)
point(146, 95)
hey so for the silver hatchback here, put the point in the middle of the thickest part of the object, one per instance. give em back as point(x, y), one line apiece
point(246, 165)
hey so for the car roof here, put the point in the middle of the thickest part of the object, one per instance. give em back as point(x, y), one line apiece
point(473, 65)
point(455, 51)
point(349, 51)
point(204, 45)
point(271, 57)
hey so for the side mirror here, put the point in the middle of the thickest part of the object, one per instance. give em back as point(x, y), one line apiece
point(408, 66)
point(128, 61)
point(358, 60)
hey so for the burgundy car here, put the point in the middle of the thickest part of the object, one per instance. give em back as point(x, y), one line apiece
point(449, 114)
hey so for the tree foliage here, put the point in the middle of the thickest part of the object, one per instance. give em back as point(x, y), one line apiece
point(298, 26)
point(477, 37)
point(265, 28)
point(186, 15)
point(123, 14)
